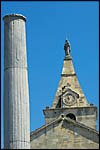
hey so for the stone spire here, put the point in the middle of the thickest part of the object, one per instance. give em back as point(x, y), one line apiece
point(69, 85)
point(16, 94)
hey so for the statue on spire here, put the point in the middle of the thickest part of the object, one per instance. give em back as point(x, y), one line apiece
point(67, 48)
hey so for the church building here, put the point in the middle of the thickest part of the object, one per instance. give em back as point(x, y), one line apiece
point(71, 122)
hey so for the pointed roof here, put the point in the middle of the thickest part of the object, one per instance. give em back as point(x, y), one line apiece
point(90, 131)
point(69, 81)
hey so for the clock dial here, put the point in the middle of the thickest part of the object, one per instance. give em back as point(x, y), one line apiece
point(69, 99)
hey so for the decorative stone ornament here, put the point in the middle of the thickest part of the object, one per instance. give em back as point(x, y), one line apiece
point(67, 48)
point(69, 97)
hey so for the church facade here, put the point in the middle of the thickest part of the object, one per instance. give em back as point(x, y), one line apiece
point(70, 123)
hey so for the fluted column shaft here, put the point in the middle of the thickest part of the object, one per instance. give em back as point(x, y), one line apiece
point(16, 94)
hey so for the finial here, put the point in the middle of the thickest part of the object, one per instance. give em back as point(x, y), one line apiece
point(66, 36)
point(67, 47)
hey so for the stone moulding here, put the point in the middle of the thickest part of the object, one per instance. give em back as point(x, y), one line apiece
point(15, 15)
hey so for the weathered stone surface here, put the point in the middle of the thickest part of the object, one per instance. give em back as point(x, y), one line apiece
point(85, 115)
point(69, 80)
point(65, 134)
point(16, 96)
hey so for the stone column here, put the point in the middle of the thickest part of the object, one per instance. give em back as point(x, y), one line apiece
point(16, 95)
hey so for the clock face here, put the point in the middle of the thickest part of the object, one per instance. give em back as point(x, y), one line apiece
point(69, 99)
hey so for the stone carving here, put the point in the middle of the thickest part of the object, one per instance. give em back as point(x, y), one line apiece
point(67, 48)
point(68, 84)
point(69, 97)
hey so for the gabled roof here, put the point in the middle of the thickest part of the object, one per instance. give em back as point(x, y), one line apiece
point(91, 133)
point(44, 126)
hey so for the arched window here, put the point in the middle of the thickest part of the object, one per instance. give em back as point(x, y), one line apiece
point(71, 116)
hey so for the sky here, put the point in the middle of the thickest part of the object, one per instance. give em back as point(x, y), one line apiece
point(47, 26)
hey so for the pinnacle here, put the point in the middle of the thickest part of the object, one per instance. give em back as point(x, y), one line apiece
point(69, 80)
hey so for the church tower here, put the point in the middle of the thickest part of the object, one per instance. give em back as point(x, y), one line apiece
point(69, 94)
point(70, 123)
point(16, 95)
point(70, 99)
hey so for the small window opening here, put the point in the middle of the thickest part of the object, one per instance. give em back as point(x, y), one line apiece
point(71, 116)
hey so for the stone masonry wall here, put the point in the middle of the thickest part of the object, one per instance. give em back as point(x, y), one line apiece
point(64, 136)
point(85, 115)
